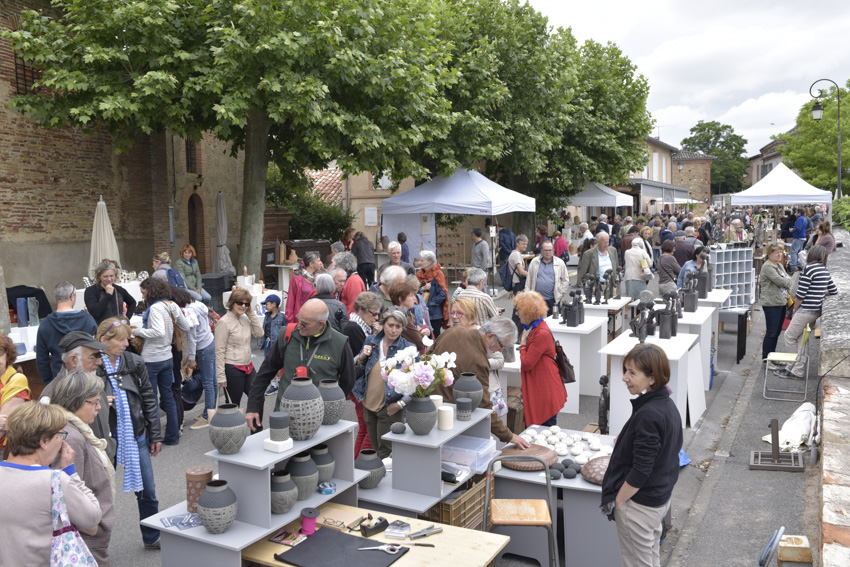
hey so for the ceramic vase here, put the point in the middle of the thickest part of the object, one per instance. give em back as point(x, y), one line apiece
point(304, 473)
point(279, 426)
point(284, 492)
point(228, 429)
point(303, 402)
point(324, 462)
point(421, 415)
point(334, 400)
point(196, 479)
point(368, 461)
point(468, 386)
point(464, 409)
point(217, 507)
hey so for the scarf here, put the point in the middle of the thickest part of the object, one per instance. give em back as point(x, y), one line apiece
point(355, 318)
point(435, 273)
point(96, 442)
point(533, 325)
point(128, 447)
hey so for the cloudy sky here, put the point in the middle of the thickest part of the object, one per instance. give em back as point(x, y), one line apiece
point(747, 63)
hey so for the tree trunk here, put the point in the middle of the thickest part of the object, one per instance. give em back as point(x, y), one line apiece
point(5, 322)
point(254, 191)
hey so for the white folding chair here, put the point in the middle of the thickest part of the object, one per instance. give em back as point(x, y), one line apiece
point(788, 358)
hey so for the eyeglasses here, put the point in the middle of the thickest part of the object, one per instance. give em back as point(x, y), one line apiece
point(304, 323)
point(375, 314)
point(332, 522)
point(498, 342)
point(95, 403)
point(457, 314)
point(242, 303)
point(64, 434)
point(95, 356)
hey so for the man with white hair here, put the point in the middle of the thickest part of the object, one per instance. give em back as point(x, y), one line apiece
point(690, 235)
point(585, 232)
point(394, 252)
point(668, 232)
point(484, 307)
point(389, 276)
point(602, 225)
point(65, 319)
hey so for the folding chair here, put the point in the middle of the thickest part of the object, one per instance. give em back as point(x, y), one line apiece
point(788, 358)
point(525, 512)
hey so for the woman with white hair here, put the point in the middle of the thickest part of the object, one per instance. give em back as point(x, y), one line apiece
point(433, 283)
point(326, 291)
point(634, 270)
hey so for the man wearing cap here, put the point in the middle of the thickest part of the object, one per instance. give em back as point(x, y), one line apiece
point(81, 352)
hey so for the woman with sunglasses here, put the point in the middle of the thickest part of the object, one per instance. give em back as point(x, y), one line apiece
point(233, 333)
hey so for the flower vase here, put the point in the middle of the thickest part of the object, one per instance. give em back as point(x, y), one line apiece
point(368, 461)
point(304, 473)
point(421, 415)
point(334, 400)
point(228, 429)
point(284, 492)
point(217, 506)
point(324, 462)
point(468, 386)
point(303, 402)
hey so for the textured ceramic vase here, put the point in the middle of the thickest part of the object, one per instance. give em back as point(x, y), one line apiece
point(334, 399)
point(284, 492)
point(303, 402)
point(369, 461)
point(217, 507)
point(196, 479)
point(421, 415)
point(279, 426)
point(468, 386)
point(228, 429)
point(464, 409)
point(324, 462)
point(304, 473)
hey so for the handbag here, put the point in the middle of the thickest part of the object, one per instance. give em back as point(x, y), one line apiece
point(176, 340)
point(565, 367)
point(67, 548)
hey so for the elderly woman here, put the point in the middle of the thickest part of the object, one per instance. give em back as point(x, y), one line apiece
point(354, 285)
point(104, 299)
point(326, 291)
point(635, 259)
point(362, 322)
point(403, 296)
point(774, 285)
point(814, 285)
point(233, 333)
point(543, 393)
point(14, 386)
point(381, 404)
point(433, 283)
point(158, 331)
point(644, 467)
point(133, 418)
point(463, 313)
point(36, 436)
point(301, 287)
point(668, 268)
point(79, 395)
point(189, 268)
point(388, 277)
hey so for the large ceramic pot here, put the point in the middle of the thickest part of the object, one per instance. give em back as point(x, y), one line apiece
point(334, 399)
point(228, 429)
point(369, 461)
point(421, 415)
point(304, 473)
point(468, 386)
point(279, 426)
point(284, 492)
point(217, 507)
point(324, 462)
point(303, 402)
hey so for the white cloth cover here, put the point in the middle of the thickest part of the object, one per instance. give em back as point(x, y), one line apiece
point(103, 244)
point(221, 258)
point(799, 429)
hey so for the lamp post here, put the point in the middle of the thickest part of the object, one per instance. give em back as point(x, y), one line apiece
point(817, 114)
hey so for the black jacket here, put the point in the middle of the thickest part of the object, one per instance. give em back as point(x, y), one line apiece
point(337, 315)
point(102, 306)
point(646, 454)
point(132, 377)
point(356, 336)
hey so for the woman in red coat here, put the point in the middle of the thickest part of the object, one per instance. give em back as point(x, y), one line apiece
point(543, 393)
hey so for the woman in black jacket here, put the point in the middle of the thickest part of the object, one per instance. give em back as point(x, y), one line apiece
point(133, 418)
point(644, 467)
point(105, 299)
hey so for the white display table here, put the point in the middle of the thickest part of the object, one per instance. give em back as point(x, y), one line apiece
point(28, 336)
point(716, 298)
point(615, 309)
point(698, 323)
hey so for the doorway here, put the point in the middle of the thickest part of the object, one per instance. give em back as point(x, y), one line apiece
point(197, 231)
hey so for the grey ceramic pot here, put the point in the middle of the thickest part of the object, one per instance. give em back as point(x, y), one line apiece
point(468, 386)
point(324, 462)
point(217, 507)
point(228, 429)
point(369, 461)
point(421, 415)
point(464, 409)
point(306, 409)
point(334, 400)
point(304, 473)
point(284, 492)
point(279, 426)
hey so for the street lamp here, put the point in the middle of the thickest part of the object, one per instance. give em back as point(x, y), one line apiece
point(817, 114)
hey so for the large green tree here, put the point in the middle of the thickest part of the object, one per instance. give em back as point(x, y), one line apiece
point(812, 146)
point(728, 148)
point(302, 82)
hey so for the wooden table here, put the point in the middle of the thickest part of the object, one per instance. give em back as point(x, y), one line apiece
point(454, 546)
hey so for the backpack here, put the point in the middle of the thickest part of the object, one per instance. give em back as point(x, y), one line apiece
point(507, 276)
point(174, 278)
point(565, 367)
point(565, 256)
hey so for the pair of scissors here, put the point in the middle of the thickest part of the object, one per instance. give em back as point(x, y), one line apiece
point(390, 548)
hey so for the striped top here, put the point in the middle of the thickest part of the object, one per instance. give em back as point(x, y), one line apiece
point(813, 286)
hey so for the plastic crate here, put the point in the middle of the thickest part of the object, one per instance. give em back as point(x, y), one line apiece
point(466, 511)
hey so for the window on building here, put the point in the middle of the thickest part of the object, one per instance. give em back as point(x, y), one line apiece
point(25, 76)
point(655, 176)
point(193, 164)
point(664, 169)
point(384, 183)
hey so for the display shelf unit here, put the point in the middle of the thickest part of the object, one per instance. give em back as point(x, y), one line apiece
point(248, 474)
point(414, 484)
point(733, 270)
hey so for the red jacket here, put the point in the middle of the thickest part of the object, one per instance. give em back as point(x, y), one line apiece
point(300, 291)
point(543, 393)
point(353, 287)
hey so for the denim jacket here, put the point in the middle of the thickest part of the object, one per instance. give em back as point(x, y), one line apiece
point(271, 330)
point(374, 341)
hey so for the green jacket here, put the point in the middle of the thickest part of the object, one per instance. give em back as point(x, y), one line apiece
point(589, 263)
point(772, 281)
point(191, 274)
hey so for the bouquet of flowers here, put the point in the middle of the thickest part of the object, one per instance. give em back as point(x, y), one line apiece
point(410, 374)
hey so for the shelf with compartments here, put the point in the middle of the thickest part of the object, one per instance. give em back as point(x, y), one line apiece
point(733, 270)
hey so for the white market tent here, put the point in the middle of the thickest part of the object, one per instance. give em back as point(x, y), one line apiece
point(598, 195)
point(781, 187)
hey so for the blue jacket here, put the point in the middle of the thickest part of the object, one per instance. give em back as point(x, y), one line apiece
point(435, 301)
point(271, 330)
point(507, 243)
point(800, 227)
point(374, 341)
point(690, 266)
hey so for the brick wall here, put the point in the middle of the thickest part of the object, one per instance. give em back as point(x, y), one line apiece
point(696, 175)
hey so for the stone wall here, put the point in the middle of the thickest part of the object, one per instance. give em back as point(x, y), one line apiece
point(696, 175)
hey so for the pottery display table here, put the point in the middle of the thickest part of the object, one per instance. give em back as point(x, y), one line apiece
point(589, 538)
point(614, 309)
point(716, 298)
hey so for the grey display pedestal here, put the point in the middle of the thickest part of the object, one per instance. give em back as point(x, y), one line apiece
point(248, 473)
point(414, 485)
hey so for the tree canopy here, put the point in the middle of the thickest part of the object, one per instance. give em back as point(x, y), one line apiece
point(812, 146)
point(721, 141)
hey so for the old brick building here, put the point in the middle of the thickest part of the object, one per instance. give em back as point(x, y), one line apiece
point(50, 182)
point(693, 170)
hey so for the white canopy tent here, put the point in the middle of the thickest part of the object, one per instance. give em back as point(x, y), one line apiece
point(598, 195)
point(782, 187)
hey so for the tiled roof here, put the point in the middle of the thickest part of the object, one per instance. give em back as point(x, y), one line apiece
point(327, 183)
point(691, 155)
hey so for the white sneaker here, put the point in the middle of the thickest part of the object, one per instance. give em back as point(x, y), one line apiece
point(200, 423)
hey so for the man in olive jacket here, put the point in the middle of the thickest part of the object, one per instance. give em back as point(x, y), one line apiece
point(589, 263)
point(313, 344)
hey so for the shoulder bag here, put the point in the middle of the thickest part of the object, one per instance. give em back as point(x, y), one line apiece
point(565, 367)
